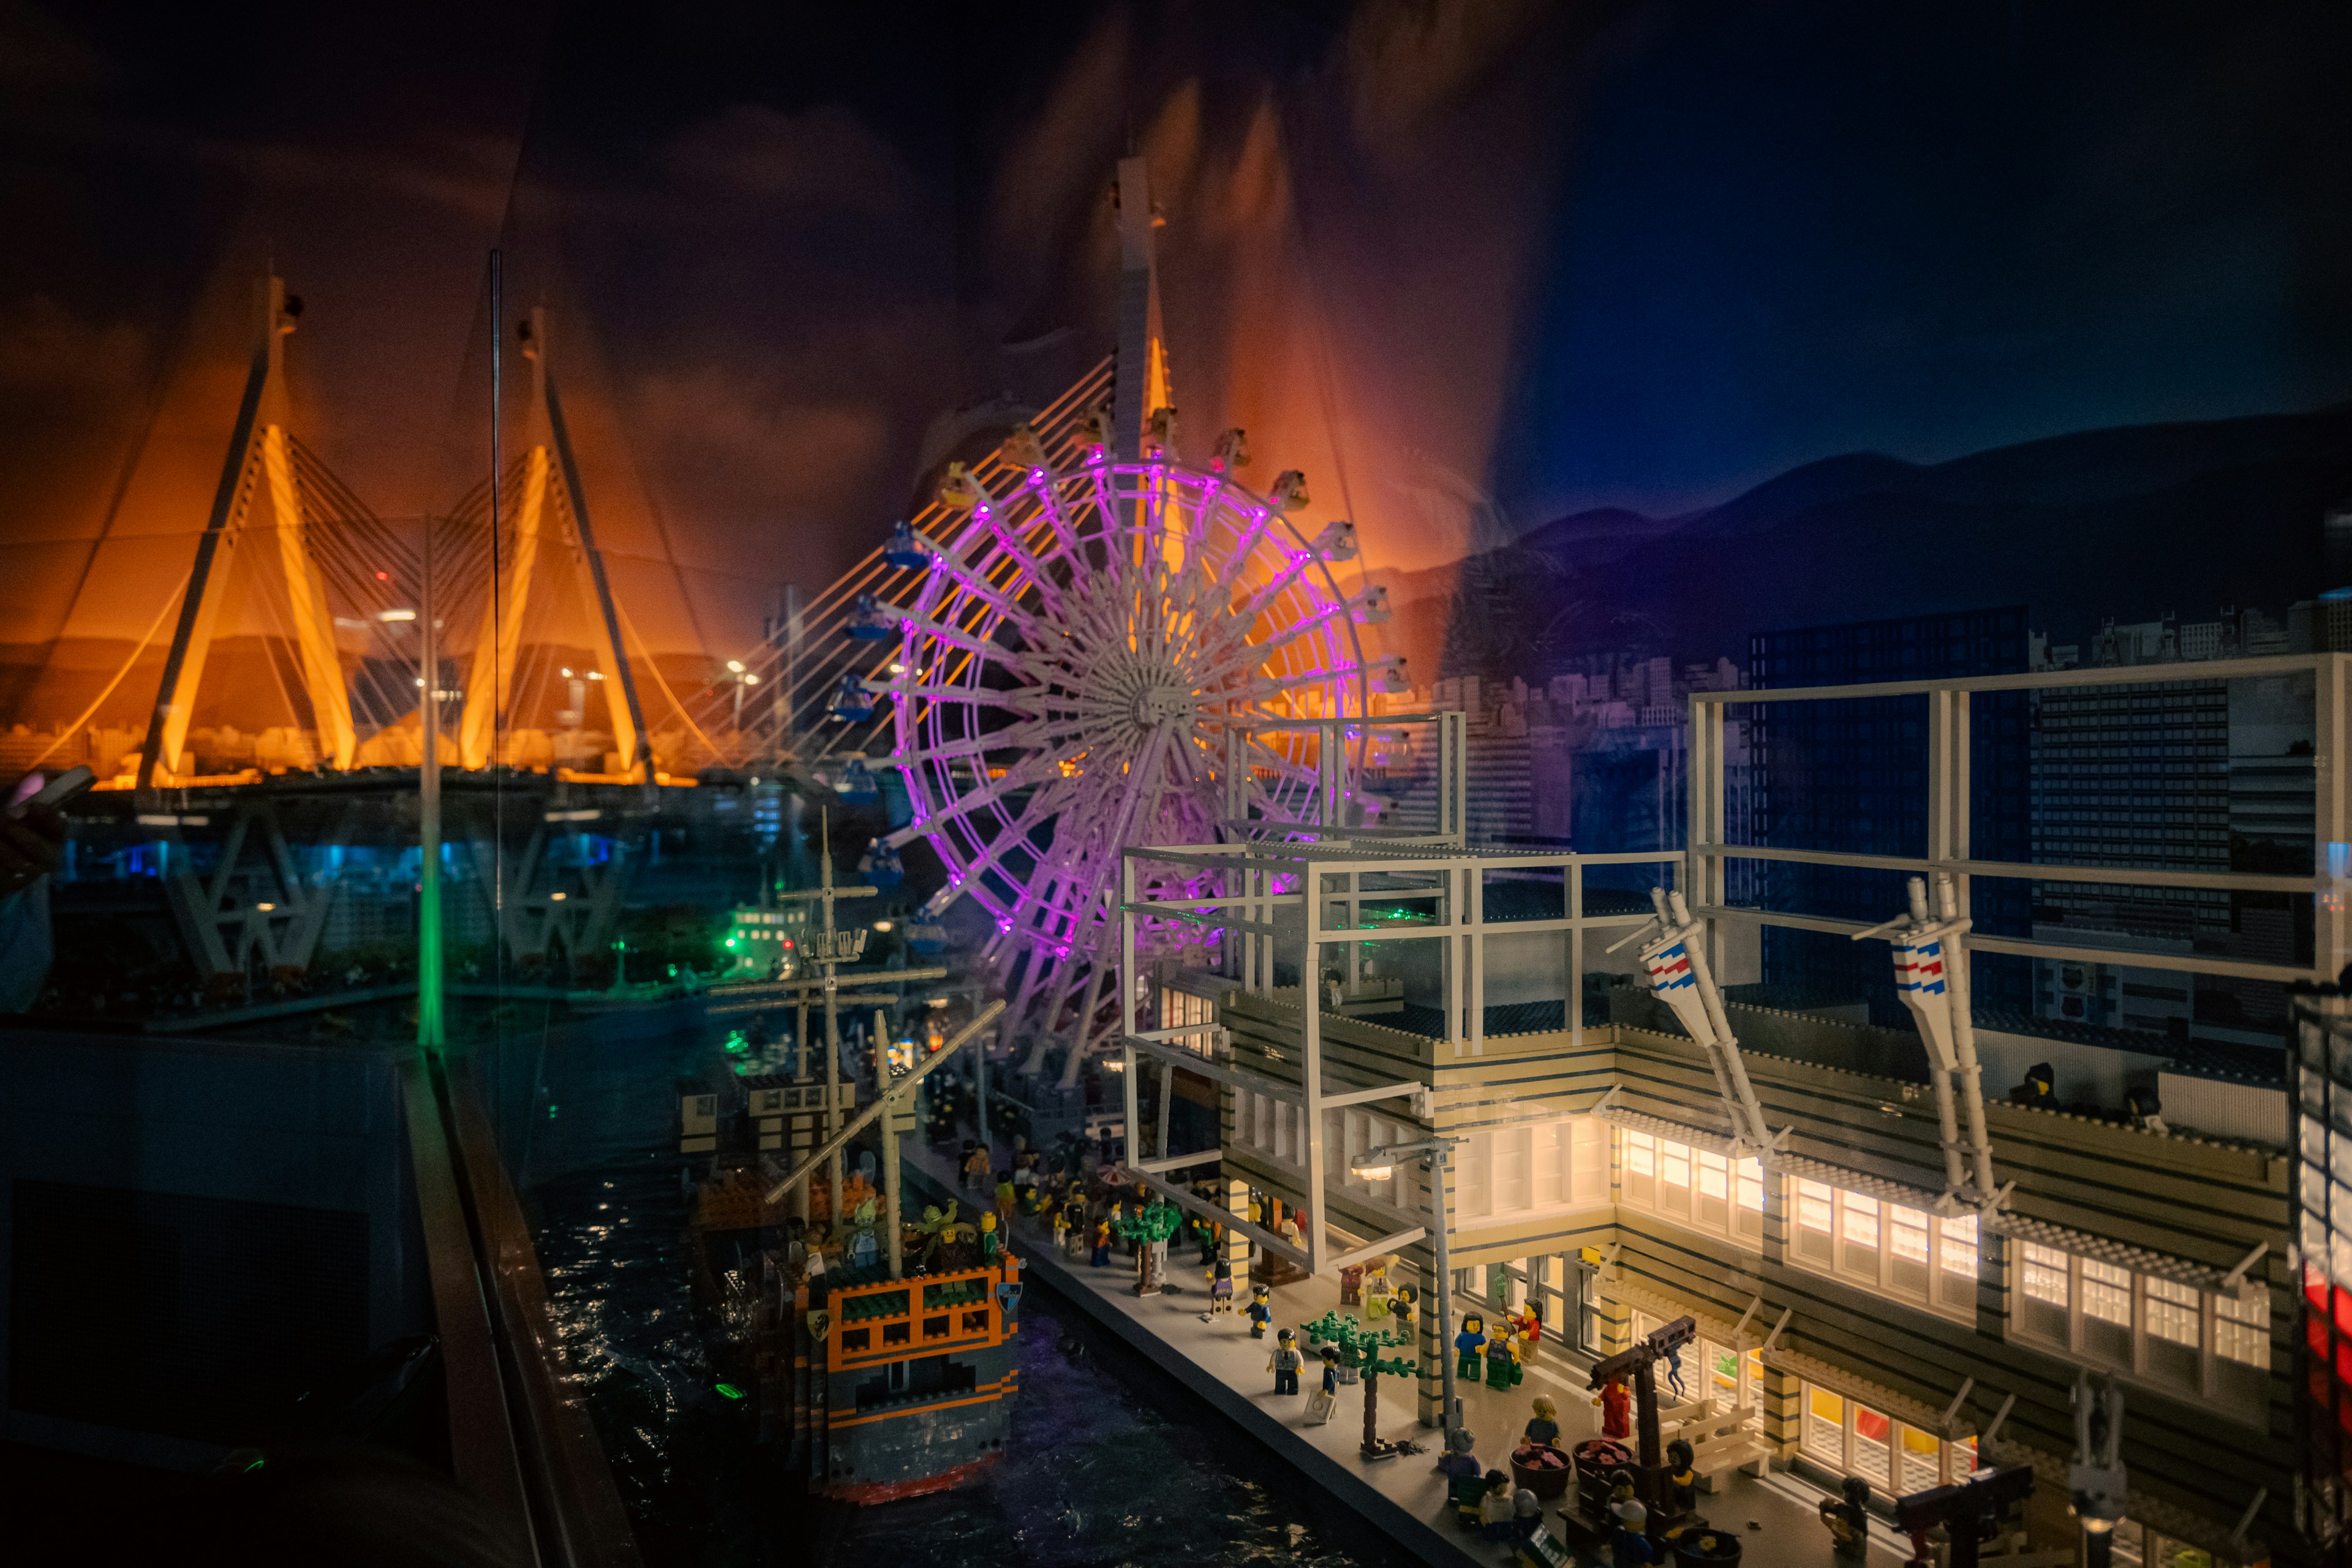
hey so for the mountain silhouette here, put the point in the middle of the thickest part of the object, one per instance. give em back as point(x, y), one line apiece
point(2129, 522)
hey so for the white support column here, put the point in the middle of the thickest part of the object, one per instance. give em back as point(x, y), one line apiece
point(1125, 1008)
point(1699, 871)
point(2332, 941)
point(1939, 776)
point(1454, 960)
point(1473, 903)
point(1963, 752)
point(1310, 976)
point(1455, 781)
point(1709, 813)
point(1355, 920)
point(1576, 956)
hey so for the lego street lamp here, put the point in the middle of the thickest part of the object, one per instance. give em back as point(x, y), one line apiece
point(738, 677)
point(1380, 1165)
point(2097, 1480)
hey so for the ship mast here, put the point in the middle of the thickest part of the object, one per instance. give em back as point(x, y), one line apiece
point(832, 948)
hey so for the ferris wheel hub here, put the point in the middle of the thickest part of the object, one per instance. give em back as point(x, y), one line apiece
point(1163, 702)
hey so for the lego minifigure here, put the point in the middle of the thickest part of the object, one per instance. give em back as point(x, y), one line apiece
point(1529, 1324)
point(1545, 1427)
point(1629, 1543)
point(1849, 1522)
point(963, 1166)
point(1351, 1286)
point(992, 1240)
point(1061, 1226)
point(865, 1246)
point(1401, 1307)
point(1260, 1310)
point(1526, 1515)
point(1376, 1289)
point(1101, 1258)
point(1221, 1286)
point(1331, 1369)
point(1284, 1361)
point(1466, 1477)
point(1495, 1509)
point(1682, 1479)
point(1469, 1343)
point(1616, 1410)
point(2038, 1091)
point(975, 1166)
point(1502, 1362)
point(1004, 1196)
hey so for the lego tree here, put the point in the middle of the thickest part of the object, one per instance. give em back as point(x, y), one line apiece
point(1359, 1346)
point(1148, 1227)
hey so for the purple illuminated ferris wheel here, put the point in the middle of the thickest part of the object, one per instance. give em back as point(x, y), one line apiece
point(1076, 670)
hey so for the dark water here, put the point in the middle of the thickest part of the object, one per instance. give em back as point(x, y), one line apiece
point(1108, 1461)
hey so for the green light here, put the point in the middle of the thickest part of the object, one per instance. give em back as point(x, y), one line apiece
point(730, 1390)
point(731, 941)
point(550, 1113)
point(259, 1461)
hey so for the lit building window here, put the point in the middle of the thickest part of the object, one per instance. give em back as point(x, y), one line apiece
point(1694, 1186)
point(1887, 1248)
point(2213, 1348)
point(1641, 1170)
point(1853, 1440)
point(1751, 1189)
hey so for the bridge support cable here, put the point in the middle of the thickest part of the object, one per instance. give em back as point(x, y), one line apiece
point(489, 682)
point(306, 591)
point(175, 696)
point(628, 715)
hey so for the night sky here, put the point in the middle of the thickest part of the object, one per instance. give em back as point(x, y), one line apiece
point(1470, 266)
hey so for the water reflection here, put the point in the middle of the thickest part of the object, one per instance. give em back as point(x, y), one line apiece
point(1107, 1460)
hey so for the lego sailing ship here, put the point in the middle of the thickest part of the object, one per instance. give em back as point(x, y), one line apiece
point(881, 1381)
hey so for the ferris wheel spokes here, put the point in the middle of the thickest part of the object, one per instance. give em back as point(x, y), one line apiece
point(1066, 673)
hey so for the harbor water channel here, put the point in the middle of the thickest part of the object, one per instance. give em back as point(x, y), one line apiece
point(1108, 1460)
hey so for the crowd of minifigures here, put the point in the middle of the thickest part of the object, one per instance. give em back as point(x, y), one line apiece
point(1097, 1216)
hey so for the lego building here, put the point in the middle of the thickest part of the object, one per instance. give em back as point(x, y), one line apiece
point(1861, 1310)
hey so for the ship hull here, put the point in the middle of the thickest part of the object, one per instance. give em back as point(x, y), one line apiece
point(885, 1442)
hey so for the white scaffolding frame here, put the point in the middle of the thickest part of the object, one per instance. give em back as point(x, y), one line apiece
point(1334, 868)
point(1949, 745)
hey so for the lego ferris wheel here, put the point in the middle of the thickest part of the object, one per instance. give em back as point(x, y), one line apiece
point(1112, 653)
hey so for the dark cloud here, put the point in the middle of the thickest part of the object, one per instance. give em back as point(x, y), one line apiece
point(1468, 263)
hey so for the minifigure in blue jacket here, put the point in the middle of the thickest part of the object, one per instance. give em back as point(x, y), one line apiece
point(1469, 1343)
point(1629, 1543)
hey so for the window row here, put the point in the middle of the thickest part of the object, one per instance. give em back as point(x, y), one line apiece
point(1559, 1162)
point(1851, 1438)
point(2212, 1347)
point(1925, 1258)
point(1562, 1163)
point(1276, 1129)
point(1704, 1190)
point(1180, 1009)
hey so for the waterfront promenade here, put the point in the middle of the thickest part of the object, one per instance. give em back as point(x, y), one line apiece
point(1402, 1497)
